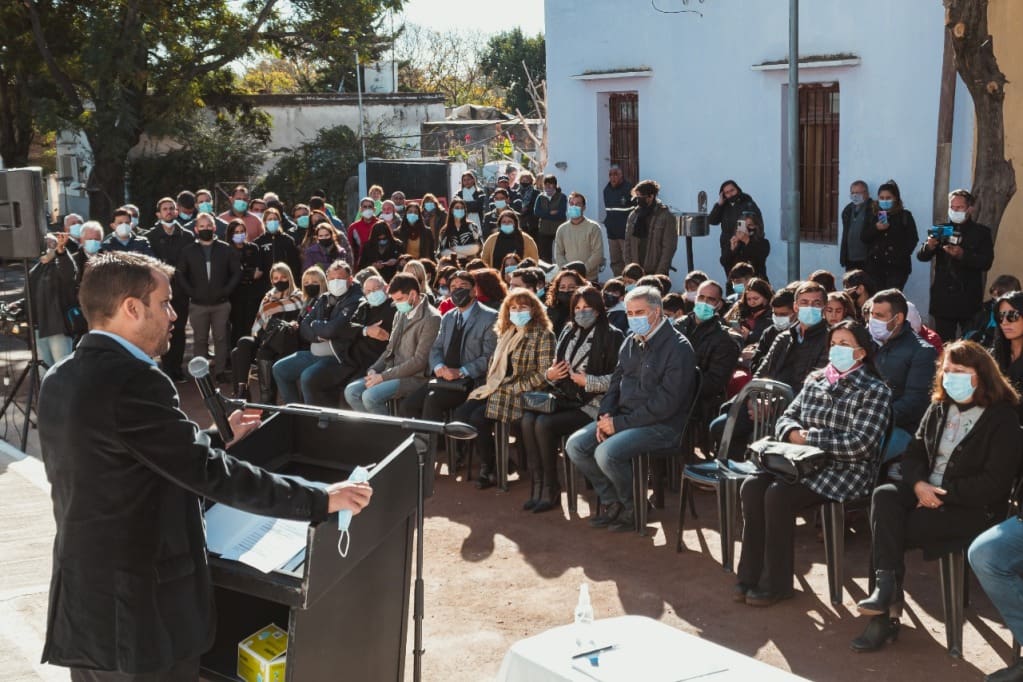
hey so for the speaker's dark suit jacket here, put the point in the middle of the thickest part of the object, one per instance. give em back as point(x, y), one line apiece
point(131, 588)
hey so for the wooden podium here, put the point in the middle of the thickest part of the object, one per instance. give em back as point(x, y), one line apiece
point(347, 618)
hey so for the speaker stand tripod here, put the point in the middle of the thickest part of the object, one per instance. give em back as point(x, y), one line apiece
point(31, 371)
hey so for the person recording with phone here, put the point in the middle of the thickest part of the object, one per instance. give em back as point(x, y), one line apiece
point(962, 253)
point(52, 280)
point(747, 245)
point(732, 203)
point(890, 240)
point(131, 595)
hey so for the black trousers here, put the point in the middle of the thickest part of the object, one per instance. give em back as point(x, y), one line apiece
point(474, 412)
point(545, 247)
point(897, 524)
point(184, 671)
point(769, 509)
point(172, 360)
point(951, 328)
point(888, 278)
point(244, 307)
point(427, 402)
point(540, 436)
point(244, 352)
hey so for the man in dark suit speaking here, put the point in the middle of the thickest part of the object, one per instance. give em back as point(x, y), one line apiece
point(131, 595)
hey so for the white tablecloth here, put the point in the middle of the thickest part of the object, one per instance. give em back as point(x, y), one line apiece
point(645, 649)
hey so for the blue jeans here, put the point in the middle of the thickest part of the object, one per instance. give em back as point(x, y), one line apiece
point(897, 444)
point(996, 557)
point(608, 465)
point(52, 349)
point(372, 400)
point(296, 375)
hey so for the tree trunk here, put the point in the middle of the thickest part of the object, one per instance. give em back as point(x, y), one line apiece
point(994, 179)
point(106, 186)
point(15, 119)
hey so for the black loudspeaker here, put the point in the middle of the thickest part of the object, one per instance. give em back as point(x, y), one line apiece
point(22, 213)
point(415, 177)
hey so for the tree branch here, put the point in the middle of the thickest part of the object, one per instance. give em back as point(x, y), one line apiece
point(202, 67)
point(61, 78)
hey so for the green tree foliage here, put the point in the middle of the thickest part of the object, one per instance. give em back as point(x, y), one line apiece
point(122, 67)
point(325, 162)
point(221, 148)
point(502, 60)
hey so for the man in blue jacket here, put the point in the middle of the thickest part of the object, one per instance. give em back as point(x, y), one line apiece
point(645, 408)
point(905, 362)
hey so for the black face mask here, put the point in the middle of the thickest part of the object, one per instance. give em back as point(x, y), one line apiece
point(461, 297)
point(311, 290)
point(610, 300)
point(282, 285)
point(325, 243)
point(564, 297)
point(205, 235)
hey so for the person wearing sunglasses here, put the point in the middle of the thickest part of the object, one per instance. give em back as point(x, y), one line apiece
point(1008, 344)
point(982, 328)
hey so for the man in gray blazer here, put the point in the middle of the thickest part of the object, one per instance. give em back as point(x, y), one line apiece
point(459, 356)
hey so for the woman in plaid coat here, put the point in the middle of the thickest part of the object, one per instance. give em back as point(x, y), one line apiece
point(525, 349)
point(842, 409)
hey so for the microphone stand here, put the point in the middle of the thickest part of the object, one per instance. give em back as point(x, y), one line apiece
point(432, 429)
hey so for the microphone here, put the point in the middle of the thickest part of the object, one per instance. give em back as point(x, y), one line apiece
point(199, 368)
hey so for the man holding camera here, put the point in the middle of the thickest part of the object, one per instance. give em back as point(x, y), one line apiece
point(962, 253)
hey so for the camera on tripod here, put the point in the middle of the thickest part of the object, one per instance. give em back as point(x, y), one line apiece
point(945, 234)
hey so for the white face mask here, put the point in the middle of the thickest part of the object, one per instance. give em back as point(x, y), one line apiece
point(957, 217)
point(691, 296)
point(337, 287)
point(123, 230)
point(782, 322)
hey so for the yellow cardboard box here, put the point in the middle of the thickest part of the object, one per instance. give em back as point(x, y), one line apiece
point(262, 657)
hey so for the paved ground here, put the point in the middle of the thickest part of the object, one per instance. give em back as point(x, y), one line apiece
point(496, 574)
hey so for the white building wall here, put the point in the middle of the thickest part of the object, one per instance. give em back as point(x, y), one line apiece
point(705, 115)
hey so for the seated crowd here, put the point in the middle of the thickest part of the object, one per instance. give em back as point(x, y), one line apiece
point(487, 309)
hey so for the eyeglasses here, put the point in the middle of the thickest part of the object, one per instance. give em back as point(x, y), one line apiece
point(1008, 316)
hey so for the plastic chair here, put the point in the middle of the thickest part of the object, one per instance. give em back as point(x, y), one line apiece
point(833, 526)
point(641, 463)
point(767, 400)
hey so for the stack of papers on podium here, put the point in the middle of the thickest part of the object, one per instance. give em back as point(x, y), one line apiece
point(263, 542)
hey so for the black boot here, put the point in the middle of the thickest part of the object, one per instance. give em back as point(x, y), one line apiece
point(886, 593)
point(242, 392)
point(880, 630)
point(551, 499)
point(535, 488)
point(267, 389)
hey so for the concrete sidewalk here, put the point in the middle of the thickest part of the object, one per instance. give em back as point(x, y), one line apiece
point(26, 545)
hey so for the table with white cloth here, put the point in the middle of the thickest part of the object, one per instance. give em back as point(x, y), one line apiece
point(642, 649)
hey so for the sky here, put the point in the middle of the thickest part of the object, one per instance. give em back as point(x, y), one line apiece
point(475, 15)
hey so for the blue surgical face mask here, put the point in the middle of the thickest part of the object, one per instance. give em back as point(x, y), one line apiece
point(739, 288)
point(809, 315)
point(856, 198)
point(92, 246)
point(781, 322)
point(272, 226)
point(574, 212)
point(703, 311)
point(458, 213)
point(540, 292)
point(302, 221)
point(238, 238)
point(443, 291)
point(508, 269)
point(958, 386)
point(639, 325)
point(520, 318)
point(507, 229)
point(240, 206)
point(429, 206)
point(383, 242)
point(842, 358)
point(413, 218)
point(184, 216)
point(629, 287)
point(885, 204)
point(206, 207)
point(76, 230)
point(500, 204)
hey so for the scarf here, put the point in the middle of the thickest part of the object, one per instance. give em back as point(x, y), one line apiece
point(498, 370)
point(642, 225)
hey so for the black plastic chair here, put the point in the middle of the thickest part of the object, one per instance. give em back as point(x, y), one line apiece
point(767, 400)
point(833, 520)
point(641, 463)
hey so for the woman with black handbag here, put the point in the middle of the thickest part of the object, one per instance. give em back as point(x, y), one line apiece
point(841, 409)
point(956, 477)
point(585, 358)
point(272, 337)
